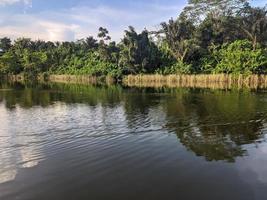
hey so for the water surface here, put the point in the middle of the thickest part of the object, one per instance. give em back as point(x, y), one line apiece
point(60, 141)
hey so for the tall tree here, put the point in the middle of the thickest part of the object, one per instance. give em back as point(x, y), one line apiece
point(91, 43)
point(199, 9)
point(103, 50)
point(224, 29)
point(5, 44)
point(103, 34)
point(10, 64)
point(254, 24)
point(138, 52)
point(179, 37)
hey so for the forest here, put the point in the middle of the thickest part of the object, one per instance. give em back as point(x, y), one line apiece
point(208, 37)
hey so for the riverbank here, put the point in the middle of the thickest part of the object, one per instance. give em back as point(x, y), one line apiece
point(84, 79)
point(214, 81)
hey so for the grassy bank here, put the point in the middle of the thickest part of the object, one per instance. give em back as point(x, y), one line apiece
point(215, 81)
point(24, 77)
point(219, 81)
point(83, 79)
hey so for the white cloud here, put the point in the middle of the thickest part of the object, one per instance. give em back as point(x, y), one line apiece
point(38, 28)
point(79, 22)
point(117, 20)
point(10, 2)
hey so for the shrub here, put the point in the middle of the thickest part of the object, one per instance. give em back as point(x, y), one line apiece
point(177, 68)
point(9, 63)
point(238, 58)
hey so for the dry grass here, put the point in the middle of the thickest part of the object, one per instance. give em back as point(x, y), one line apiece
point(14, 78)
point(83, 79)
point(73, 79)
point(219, 81)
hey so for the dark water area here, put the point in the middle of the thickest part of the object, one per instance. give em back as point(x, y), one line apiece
point(68, 142)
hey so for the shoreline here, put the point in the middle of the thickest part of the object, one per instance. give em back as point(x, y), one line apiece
point(212, 81)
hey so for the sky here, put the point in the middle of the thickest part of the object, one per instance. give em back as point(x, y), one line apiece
point(61, 20)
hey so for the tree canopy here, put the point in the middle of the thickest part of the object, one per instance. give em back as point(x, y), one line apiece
point(220, 36)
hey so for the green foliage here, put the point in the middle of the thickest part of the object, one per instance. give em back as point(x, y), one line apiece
point(238, 57)
point(5, 44)
point(199, 9)
point(179, 37)
point(253, 23)
point(34, 62)
point(9, 64)
point(222, 36)
point(177, 68)
point(138, 53)
point(90, 64)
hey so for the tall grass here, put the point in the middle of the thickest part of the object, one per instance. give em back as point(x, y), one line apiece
point(84, 79)
point(14, 78)
point(219, 81)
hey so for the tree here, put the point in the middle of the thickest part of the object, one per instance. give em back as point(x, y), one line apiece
point(5, 44)
point(103, 50)
point(224, 30)
point(91, 43)
point(138, 53)
point(206, 37)
point(254, 24)
point(22, 43)
point(179, 37)
point(238, 57)
point(10, 64)
point(199, 9)
point(87, 44)
point(34, 62)
point(103, 34)
point(216, 21)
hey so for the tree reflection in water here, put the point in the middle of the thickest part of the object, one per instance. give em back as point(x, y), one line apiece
point(214, 124)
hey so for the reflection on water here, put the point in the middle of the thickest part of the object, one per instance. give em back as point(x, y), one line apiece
point(19, 147)
point(129, 143)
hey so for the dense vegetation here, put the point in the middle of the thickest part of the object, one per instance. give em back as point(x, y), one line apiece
point(222, 36)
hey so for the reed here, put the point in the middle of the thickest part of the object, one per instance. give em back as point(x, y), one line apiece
point(73, 79)
point(214, 81)
point(83, 79)
point(14, 78)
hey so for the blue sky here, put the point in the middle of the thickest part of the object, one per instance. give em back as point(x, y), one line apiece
point(59, 20)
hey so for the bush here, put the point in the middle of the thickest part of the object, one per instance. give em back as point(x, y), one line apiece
point(178, 67)
point(237, 58)
point(90, 64)
point(9, 64)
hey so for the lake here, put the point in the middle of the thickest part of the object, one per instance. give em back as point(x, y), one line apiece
point(68, 142)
